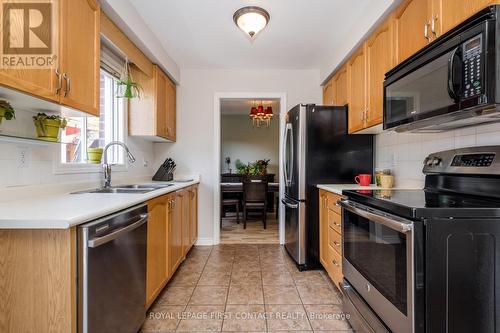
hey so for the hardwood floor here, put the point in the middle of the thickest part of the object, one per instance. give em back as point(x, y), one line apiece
point(233, 233)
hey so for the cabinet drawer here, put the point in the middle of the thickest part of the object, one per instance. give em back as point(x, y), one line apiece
point(332, 202)
point(335, 266)
point(335, 221)
point(335, 240)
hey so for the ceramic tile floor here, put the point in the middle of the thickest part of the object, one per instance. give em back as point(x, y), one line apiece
point(245, 288)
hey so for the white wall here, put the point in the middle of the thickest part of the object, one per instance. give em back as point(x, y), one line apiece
point(194, 149)
point(404, 153)
point(241, 140)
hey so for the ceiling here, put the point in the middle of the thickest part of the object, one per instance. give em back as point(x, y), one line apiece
point(301, 33)
point(240, 106)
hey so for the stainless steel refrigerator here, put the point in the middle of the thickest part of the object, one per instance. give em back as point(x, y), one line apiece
point(317, 150)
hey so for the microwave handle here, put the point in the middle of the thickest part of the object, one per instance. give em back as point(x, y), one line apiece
point(451, 90)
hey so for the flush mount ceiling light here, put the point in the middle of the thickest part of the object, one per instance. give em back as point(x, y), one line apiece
point(251, 20)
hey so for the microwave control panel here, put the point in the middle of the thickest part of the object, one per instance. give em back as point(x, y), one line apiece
point(473, 66)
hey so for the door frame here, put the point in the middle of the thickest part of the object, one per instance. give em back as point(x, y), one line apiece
point(217, 153)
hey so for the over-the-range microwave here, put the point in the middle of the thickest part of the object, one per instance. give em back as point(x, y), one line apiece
point(452, 83)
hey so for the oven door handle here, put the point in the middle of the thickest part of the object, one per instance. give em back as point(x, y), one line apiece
point(388, 220)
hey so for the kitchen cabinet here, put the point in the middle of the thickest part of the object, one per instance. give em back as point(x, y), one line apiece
point(154, 114)
point(157, 271)
point(411, 27)
point(328, 93)
point(175, 231)
point(186, 221)
point(331, 235)
point(379, 60)
point(74, 79)
point(340, 87)
point(356, 90)
point(193, 215)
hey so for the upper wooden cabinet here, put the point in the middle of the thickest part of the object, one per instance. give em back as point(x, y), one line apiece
point(74, 79)
point(411, 24)
point(154, 114)
point(328, 93)
point(80, 55)
point(340, 87)
point(379, 60)
point(356, 90)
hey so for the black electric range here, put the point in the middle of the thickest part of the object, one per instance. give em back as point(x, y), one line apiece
point(427, 260)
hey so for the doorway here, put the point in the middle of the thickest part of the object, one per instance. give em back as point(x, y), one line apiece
point(248, 148)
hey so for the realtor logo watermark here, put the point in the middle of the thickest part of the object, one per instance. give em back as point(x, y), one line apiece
point(28, 35)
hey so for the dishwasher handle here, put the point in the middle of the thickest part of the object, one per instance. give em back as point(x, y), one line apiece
point(95, 242)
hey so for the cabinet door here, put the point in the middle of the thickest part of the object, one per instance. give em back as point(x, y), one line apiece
point(357, 90)
point(171, 96)
point(141, 111)
point(80, 55)
point(193, 216)
point(186, 234)
point(176, 233)
point(157, 262)
point(328, 93)
point(160, 102)
point(410, 19)
point(379, 55)
point(449, 13)
point(323, 229)
point(340, 87)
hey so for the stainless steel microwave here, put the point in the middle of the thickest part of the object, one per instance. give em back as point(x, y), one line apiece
point(451, 83)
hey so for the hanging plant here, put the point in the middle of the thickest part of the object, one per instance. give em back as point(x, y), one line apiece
point(6, 111)
point(126, 87)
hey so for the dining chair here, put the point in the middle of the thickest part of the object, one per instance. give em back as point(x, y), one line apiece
point(230, 202)
point(254, 198)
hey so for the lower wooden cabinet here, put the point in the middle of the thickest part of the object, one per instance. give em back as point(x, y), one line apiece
point(330, 249)
point(171, 224)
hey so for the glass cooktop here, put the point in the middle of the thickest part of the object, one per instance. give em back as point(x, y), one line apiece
point(425, 203)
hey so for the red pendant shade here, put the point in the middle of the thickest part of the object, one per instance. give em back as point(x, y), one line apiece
point(269, 111)
point(261, 116)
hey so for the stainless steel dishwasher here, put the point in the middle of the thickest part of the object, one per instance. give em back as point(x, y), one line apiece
point(112, 272)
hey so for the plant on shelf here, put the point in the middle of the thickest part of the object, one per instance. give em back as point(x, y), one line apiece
point(48, 127)
point(259, 168)
point(6, 111)
point(241, 168)
point(126, 87)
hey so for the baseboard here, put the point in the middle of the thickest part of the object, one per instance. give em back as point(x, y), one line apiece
point(204, 242)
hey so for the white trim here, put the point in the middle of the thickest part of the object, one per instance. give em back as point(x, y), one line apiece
point(217, 152)
point(204, 242)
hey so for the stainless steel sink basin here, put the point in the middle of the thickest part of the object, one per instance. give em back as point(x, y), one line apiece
point(131, 189)
point(139, 186)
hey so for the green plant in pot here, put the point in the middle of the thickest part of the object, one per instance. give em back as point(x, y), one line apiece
point(6, 111)
point(48, 127)
point(94, 153)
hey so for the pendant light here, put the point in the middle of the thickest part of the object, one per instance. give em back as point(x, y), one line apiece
point(251, 20)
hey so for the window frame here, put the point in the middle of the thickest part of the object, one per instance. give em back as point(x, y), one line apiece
point(60, 168)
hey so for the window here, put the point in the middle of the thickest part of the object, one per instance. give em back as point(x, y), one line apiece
point(93, 132)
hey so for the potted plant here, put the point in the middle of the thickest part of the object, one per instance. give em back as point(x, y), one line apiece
point(6, 111)
point(94, 153)
point(48, 127)
point(126, 87)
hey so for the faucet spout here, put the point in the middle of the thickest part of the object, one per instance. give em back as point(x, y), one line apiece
point(107, 167)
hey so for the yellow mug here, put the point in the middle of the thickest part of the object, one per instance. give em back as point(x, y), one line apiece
point(386, 181)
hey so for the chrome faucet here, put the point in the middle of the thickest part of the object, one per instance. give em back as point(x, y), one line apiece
point(107, 167)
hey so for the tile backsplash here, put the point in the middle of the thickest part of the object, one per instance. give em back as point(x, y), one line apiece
point(404, 153)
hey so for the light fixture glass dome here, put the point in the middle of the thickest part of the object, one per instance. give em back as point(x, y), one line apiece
point(251, 20)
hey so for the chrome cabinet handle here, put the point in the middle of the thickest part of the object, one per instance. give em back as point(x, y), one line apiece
point(336, 243)
point(59, 81)
point(114, 235)
point(68, 84)
point(335, 263)
point(426, 31)
point(433, 24)
point(336, 224)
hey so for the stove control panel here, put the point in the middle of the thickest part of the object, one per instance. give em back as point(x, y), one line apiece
point(473, 160)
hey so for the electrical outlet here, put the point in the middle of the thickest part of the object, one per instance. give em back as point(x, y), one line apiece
point(145, 163)
point(23, 157)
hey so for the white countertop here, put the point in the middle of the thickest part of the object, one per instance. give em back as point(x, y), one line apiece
point(338, 188)
point(65, 210)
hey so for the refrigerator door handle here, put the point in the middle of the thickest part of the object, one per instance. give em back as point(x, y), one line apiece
point(289, 205)
point(286, 158)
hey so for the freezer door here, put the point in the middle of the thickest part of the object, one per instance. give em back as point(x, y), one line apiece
point(294, 153)
point(295, 238)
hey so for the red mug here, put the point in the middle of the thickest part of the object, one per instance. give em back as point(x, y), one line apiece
point(363, 179)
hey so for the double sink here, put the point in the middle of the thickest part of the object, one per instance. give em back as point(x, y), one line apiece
point(131, 189)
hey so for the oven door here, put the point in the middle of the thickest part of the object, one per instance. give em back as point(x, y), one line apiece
point(378, 263)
